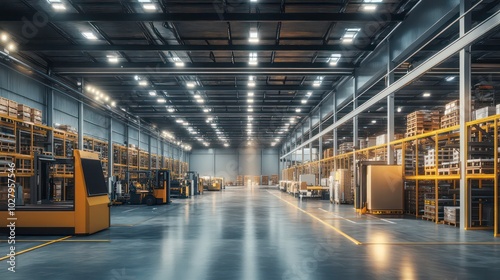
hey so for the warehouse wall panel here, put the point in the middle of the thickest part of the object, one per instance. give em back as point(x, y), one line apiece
point(133, 136)
point(95, 124)
point(65, 110)
point(119, 132)
point(202, 161)
point(16, 87)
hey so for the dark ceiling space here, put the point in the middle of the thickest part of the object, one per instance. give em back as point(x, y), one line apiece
point(131, 51)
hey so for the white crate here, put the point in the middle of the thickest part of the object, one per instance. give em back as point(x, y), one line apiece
point(381, 139)
point(498, 109)
point(484, 112)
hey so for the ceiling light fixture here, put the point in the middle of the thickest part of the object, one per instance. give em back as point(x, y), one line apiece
point(200, 100)
point(112, 58)
point(303, 101)
point(171, 110)
point(334, 59)
point(206, 110)
point(349, 35)
point(179, 121)
point(298, 110)
point(251, 81)
point(450, 78)
point(254, 35)
point(152, 93)
point(178, 62)
point(250, 93)
point(11, 47)
point(250, 100)
point(58, 7)
point(89, 35)
point(252, 59)
point(309, 93)
point(113, 103)
point(426, 94)
point(161, 100)
point(190, 84)
point(399, 109)
point(143, 83)
point(250, 109)
point(374, 121)
point(149, 7)
point(4, 37)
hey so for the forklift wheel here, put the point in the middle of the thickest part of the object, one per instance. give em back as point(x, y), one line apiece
point(150, 200)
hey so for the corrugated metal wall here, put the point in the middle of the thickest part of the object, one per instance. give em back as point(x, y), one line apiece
point(119, 132)
point(65, 110)
point(95, 124)
point(16, 87)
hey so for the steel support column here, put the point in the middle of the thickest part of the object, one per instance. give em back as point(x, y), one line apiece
point(465, 113)
point(390, 107)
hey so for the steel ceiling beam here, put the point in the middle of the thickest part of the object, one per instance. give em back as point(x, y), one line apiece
point(102, 69)
point(195, 48)
point(8, 16)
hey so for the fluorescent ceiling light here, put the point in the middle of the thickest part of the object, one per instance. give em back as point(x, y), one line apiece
point(179, 121)
point(143, 83)
point(303, 101)
point(250, 100)
point(213, 124)
point(190, 84)
point(251, 81)
point(309, 93)
point(273, 144)
point(374, 121)
point(250, 109)
point(178, 62)
point(185, 123)
point(316, 83)
point(450, 78)
point(206, 110)
point(252, 59)
point(144, 1)
point(250, 93)
point(200, 100)
point(197, 96)
point(298, 110)
point(161, 100)
point(89, 35)
point(152, 93)
point(254, 35)
point(334, 59)
point(149, 7)
point(426, 94)
point(171, 110)
point(112, 58)
point(350, 34)
point(226, 145)
point(369, 7)
point(58, 7)
point(373, 1)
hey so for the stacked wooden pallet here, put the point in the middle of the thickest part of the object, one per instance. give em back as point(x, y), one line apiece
point(422, 121)
point(345, 147)
point(274, 179)
point(24, 112)
point(451, 115)
point(444, 155)
point(452, 215)
point(239, 180)
point(328, 153)
point(265, 180)
point(36, 116)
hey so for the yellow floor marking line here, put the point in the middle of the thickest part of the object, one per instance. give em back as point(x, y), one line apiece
point(433, 243)
point(37, 247)
point(321, 221)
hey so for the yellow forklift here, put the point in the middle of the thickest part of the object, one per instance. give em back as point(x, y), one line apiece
point(147, 187)
point(217, 183)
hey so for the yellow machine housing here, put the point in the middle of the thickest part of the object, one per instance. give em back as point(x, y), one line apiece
point(89, 215)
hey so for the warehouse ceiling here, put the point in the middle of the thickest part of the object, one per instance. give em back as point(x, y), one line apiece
point(218, 73)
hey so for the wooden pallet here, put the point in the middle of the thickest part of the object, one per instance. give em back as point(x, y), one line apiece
point(480, 170)
point(451, 223)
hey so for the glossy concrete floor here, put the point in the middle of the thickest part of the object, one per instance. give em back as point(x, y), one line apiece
point(259, 233)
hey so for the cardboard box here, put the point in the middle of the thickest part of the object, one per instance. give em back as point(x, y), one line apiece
point(484, 112)
point(4, 101)
point(23, 108)
point(36, 112)
point(381, 139)
point(12, 104)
